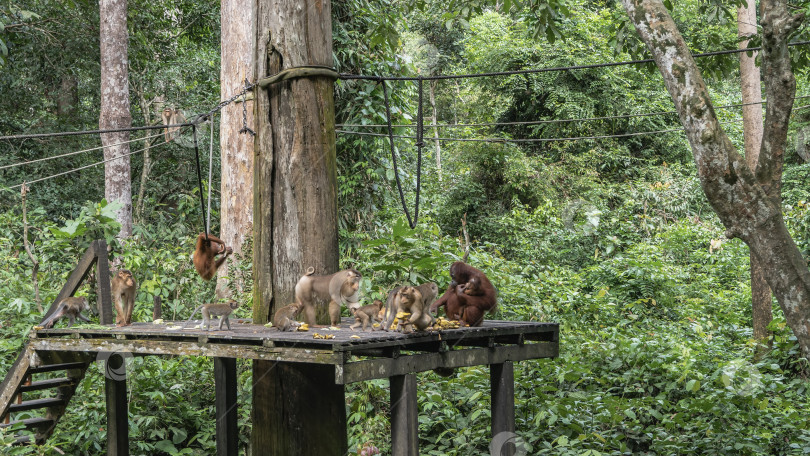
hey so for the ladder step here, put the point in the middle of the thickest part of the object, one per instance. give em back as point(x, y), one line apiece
point(57, 367)
point(30, 423)
point(47, 384)
point(36, 404)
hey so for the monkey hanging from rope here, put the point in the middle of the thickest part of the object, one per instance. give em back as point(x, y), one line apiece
point(205, 261)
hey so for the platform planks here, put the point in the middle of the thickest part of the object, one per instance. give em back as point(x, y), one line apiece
point(356, 355)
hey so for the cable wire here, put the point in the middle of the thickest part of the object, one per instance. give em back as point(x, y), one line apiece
point(14, 165)
point(347, 76)
point(531, 140)
point(81, 167)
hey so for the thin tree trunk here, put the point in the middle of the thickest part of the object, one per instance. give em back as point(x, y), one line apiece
point(147, 159)
point(736, 194)
point(761, 313)
point(29, 251)
point(236, 149)
point(115, 109)
point(436, 129)
point(68, 97)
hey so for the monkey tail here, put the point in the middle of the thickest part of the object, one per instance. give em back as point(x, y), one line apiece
point(310, 271)
point(57, 314)
point(192, 316)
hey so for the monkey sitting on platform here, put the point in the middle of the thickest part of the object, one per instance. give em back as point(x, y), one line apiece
point(217, 309)
point(284, 318)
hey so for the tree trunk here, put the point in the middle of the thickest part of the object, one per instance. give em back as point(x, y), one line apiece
point(436, 129)
point(147, 157)
point(734, 191)
point(236, 149)
point(68, 97)
point(761, 314)
point(115, 108)
point(295, 223)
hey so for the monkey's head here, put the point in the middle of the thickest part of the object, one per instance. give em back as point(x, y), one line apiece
point(352, 283)
point(409, 295)
point(378, 304)
point(126, 276)
point(233, 304)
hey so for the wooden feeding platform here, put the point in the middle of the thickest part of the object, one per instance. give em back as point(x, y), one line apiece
point(299, 402)
point(356, 355)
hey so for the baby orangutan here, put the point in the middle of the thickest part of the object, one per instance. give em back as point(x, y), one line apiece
point(366, 314)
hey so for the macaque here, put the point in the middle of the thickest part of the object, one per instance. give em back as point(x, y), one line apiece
point(428, 290)
point(469, 295)
point(218, 309)
point(366, 314)
point(284, 318)
point(411, 301)
point(70, 307)
point(172, 117)
point(205, 253)
point(123, 295)
point(335, 289)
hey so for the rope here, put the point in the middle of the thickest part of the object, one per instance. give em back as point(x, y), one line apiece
point(347, 76)
point(530, 140)
point(199, 177)
point(80, 168)
point(411, 223)
point(210, 177)
point(13, 165)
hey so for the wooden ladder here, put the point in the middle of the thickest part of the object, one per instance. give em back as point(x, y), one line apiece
point(53, 392)
point(37, 372)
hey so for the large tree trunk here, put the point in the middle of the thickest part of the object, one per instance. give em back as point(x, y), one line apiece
point(115, 108)
point(761, 314)
point(236, 149)
point(295, 221)
point(736, 194)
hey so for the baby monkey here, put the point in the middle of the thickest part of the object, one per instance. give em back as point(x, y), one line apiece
point(70, 307)
point(284, 319)
point(366, 314)
point(217, 309)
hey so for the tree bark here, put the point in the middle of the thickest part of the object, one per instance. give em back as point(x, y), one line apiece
point(734, 191)
point(761, 313)
point(115, 109)
point(295, 211)
point(236, 149)
point(296, 175)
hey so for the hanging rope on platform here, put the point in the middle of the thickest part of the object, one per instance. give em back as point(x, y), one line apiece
point(199, 178)
point(419, 144)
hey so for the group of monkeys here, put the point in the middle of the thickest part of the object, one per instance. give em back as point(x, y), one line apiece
point(468, 297)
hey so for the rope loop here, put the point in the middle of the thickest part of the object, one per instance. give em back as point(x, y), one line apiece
point(411, 222)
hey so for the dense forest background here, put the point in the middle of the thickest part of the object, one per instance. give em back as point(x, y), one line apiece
point(581, 200)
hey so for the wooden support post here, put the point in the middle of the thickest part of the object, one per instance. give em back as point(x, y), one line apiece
point(115, 383)
point(300, 410)
point(502, 388)
point(225, 383)
point(105, 315)
point(404, 416)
